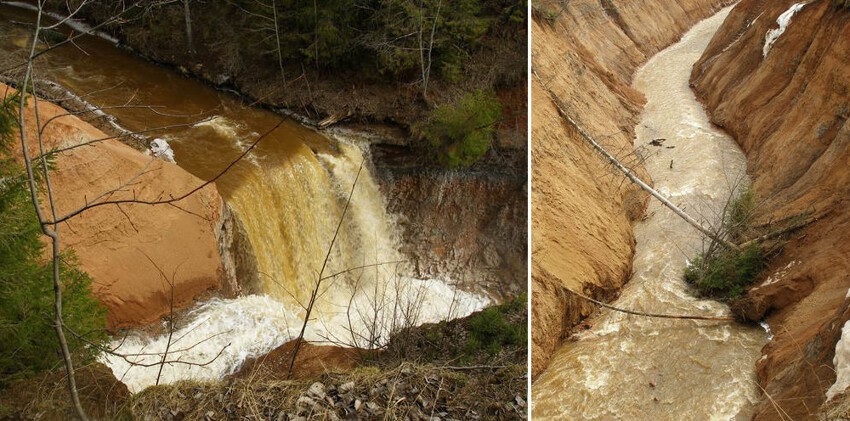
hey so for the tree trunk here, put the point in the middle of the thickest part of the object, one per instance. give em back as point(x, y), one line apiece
point(188, 16)
point(631, 176)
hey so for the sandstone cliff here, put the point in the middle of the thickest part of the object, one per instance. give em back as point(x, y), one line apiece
point(124, 248)
point(789, 112)
point(584, 54)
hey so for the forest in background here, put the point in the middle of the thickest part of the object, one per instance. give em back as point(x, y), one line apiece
point(396, 62)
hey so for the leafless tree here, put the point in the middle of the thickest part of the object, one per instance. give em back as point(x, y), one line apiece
point(425, 59)
point(266, 23)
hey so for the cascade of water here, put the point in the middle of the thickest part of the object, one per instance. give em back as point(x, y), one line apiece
point(290, 206)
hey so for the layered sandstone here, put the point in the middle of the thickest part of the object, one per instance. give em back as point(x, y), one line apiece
point(789, 110)
point(133, 252)
point(584, 54)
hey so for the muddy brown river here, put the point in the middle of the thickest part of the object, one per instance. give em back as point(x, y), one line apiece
point(637, 368)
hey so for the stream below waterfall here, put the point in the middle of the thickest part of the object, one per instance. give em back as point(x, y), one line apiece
point(632, 367)
point(289, 193)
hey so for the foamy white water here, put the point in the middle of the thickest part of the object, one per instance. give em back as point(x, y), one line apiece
point(841, 361)
point(220, 335)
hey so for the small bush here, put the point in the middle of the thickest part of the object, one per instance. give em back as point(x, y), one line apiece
point(547, 11)
point(739, 215)
point(461, 133)
point(490, 330)
point(726, 273)
point(496, 333)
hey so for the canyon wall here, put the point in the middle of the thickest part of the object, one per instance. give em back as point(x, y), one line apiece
point(132, 251)
point(584, 54)
point(469, 227)
point(788, 109)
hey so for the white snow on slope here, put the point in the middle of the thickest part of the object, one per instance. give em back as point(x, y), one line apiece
point(783, 20)
point(841, 361)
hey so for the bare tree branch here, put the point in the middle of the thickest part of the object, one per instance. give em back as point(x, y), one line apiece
point(315, 292)
point(45, 226)
point(172, 199)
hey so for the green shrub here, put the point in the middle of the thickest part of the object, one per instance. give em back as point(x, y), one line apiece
point(481, 338)
point(490, 330)
point(461, 133)
point(28, 341)
point(726, 273)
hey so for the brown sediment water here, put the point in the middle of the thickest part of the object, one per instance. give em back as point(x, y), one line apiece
point(289, 193)
point(632, 367)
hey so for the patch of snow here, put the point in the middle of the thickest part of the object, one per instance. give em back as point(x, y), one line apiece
point(841, 361)
point(162, 150)
point(783, 21)
point(779, 274)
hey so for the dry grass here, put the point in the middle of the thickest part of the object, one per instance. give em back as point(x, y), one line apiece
point(836, 409)
point(408, 391)
point(46, 397)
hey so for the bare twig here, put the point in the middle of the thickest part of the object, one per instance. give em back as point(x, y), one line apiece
point(655, 315)
point(45, 226)
point(172, 199)
point(315, 292)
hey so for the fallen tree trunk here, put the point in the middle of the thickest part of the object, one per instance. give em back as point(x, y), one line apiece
point(630, 175)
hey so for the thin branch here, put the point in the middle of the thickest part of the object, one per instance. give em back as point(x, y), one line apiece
point(315, 292)
point(654, 315)
point(778, 233)
point(179, 197)
point(52, 233)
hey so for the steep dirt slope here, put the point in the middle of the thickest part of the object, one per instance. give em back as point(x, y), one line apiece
point(114, 243)
point(789, 112)
point(584, 54)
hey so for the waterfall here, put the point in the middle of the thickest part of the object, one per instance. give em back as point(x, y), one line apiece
point(290, 200)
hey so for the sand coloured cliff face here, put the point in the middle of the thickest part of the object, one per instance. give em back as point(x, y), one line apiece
point(125, 248)
point(584, 54)
point(788, 109)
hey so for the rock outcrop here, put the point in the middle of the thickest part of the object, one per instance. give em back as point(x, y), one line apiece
point(133, 252)
point(584, 54)
point(469, 227)
point(788, 109)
